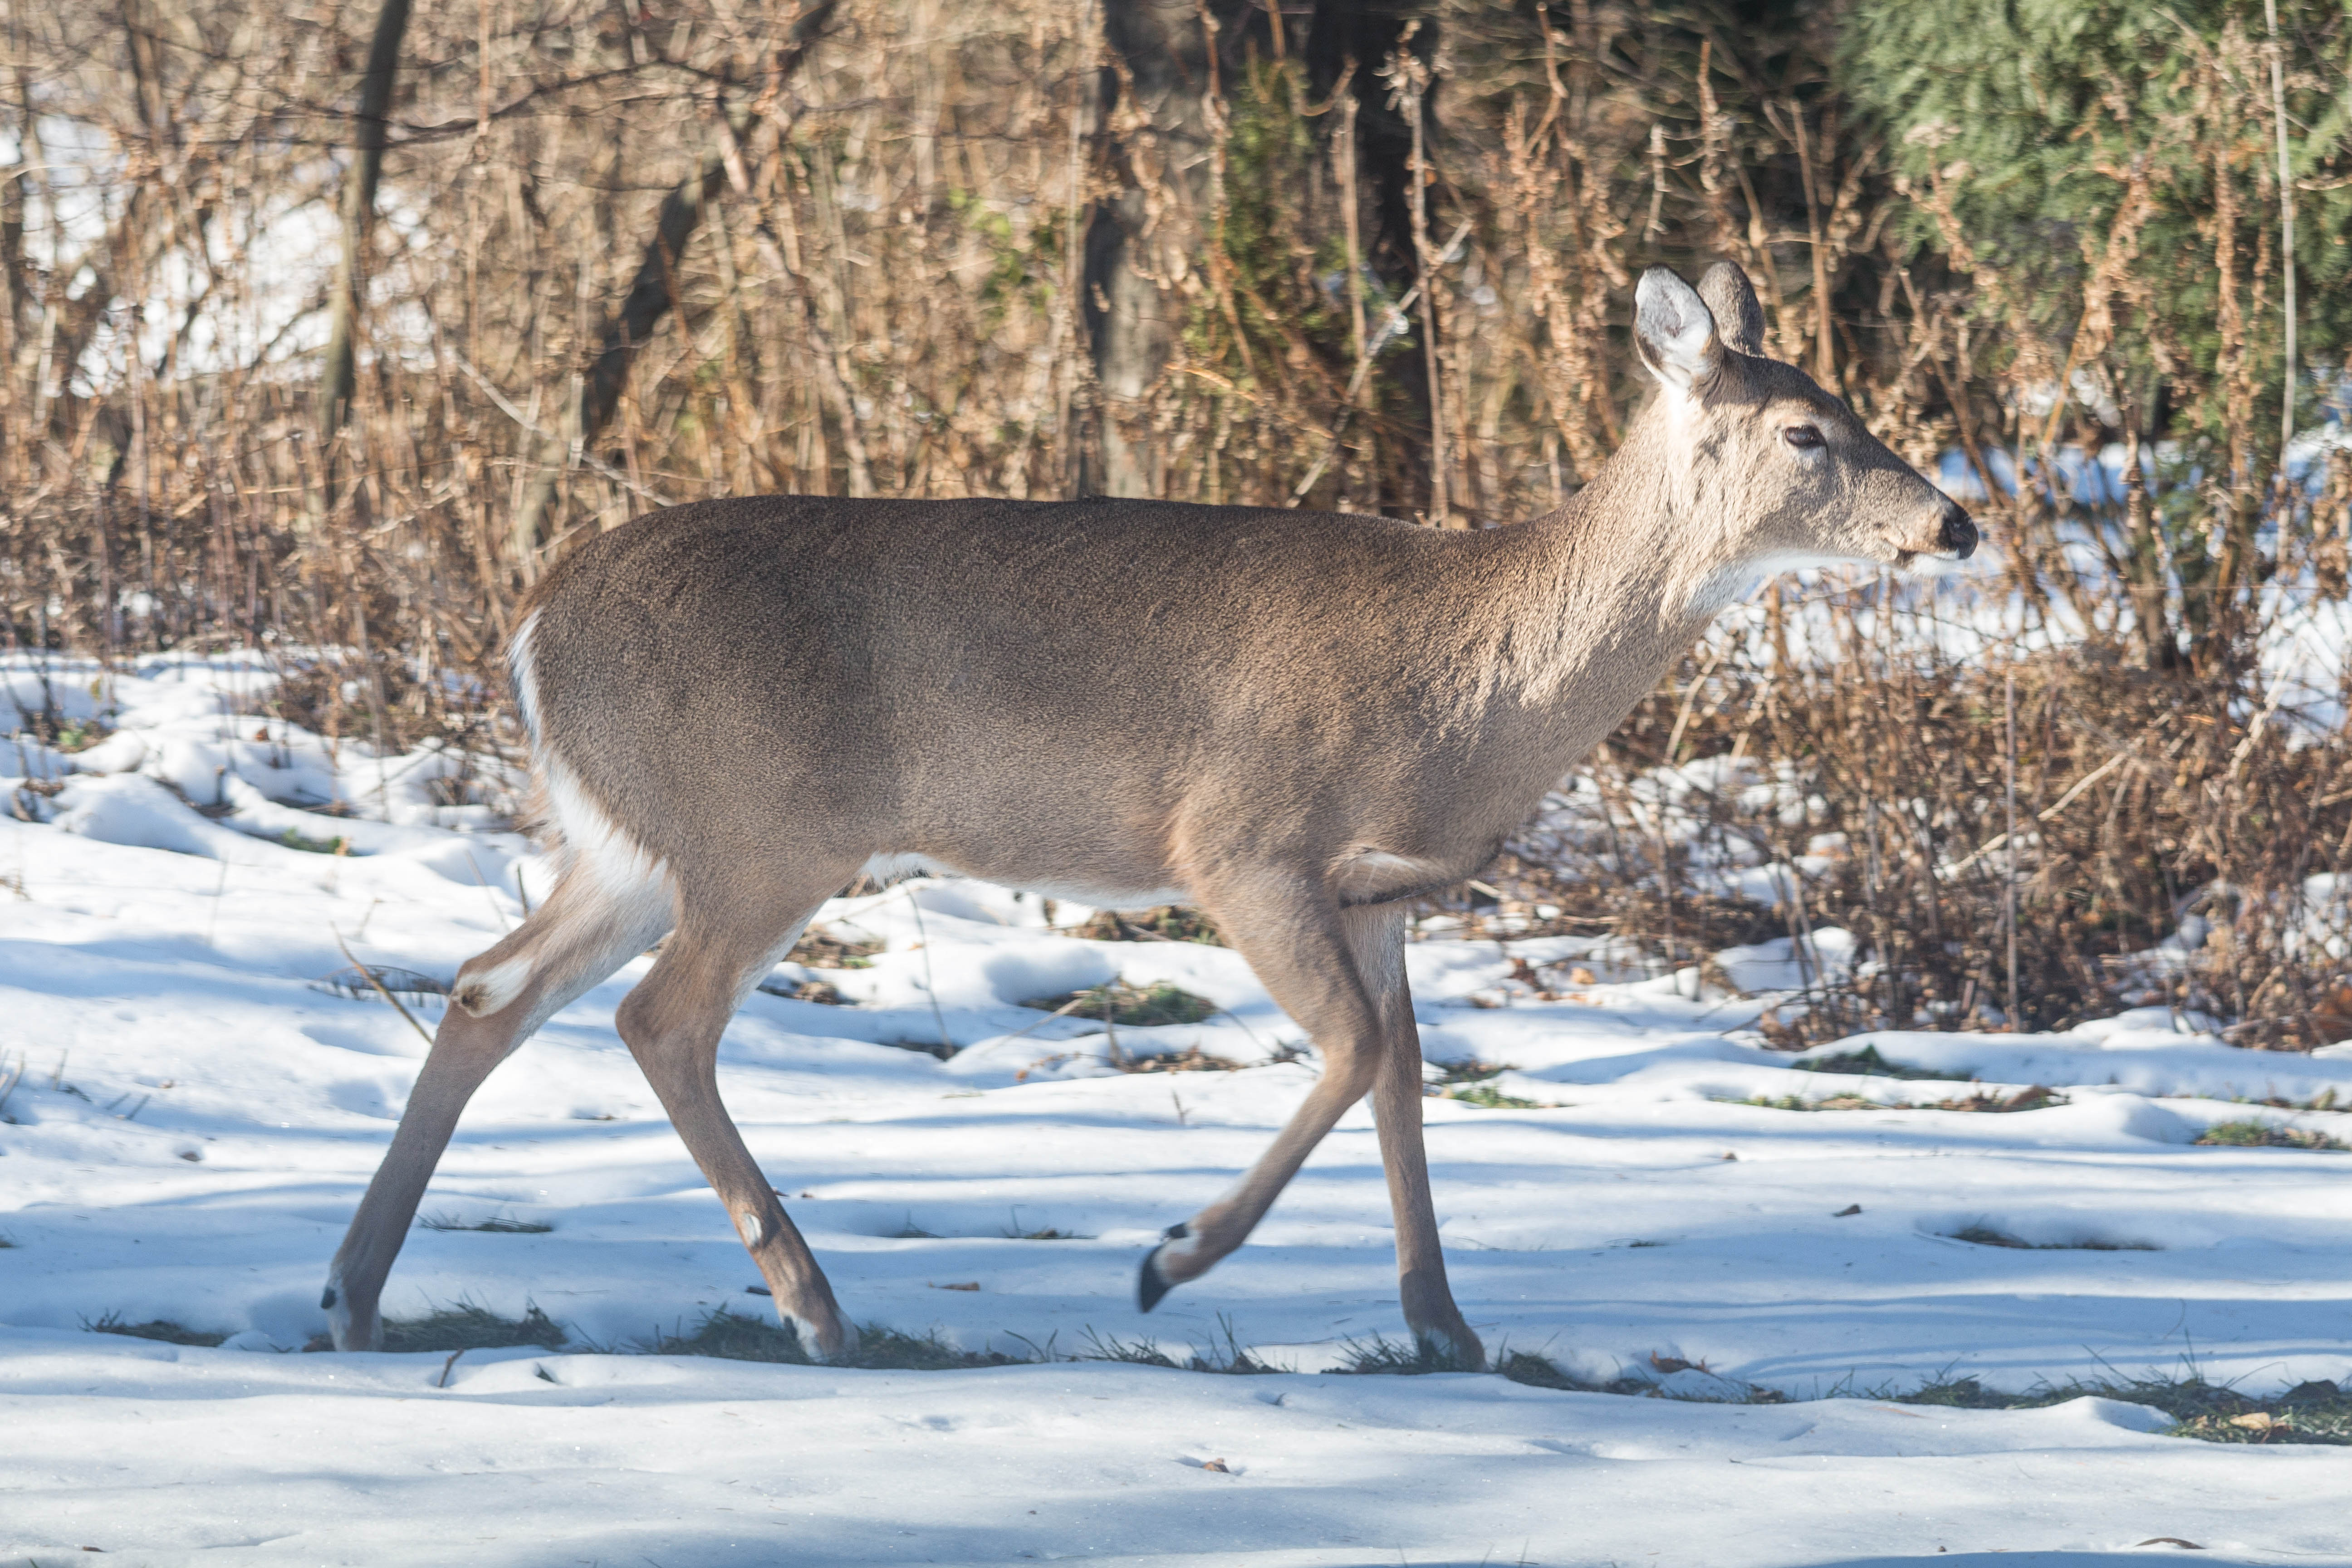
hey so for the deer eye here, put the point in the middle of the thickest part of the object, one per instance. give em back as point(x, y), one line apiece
point(1804, 438)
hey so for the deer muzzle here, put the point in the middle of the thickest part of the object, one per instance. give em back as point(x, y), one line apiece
point(1958, 534)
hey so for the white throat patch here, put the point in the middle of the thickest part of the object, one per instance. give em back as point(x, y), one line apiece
point(1727, 585)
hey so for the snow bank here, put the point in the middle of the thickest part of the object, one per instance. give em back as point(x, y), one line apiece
point(197, 1116)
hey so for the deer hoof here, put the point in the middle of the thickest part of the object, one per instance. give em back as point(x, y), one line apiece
point(1150, 1284)
point(843, 1349)
point(1454, 1347)
point(346, 1332)
point(830, 1340)
point(347, 1329)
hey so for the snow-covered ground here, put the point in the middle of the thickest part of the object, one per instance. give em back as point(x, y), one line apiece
point(196, 1115)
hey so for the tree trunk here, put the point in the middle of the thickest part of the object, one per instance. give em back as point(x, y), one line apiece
point(1143, 241)
point(1358, 39)
point(336, 379)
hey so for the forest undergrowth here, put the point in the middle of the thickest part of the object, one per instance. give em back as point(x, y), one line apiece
point(328, 333)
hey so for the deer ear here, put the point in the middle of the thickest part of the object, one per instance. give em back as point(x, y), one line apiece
point(1731, 300)
point(1673, 331)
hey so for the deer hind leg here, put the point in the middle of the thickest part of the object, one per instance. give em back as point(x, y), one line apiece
point(1375, 939)
point(672, 1023)
point(1297, 941)
point(582, 933)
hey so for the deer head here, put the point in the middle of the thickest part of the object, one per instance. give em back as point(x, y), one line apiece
point(1773, 471)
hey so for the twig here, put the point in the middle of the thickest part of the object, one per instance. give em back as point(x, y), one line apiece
point(490, 893)
point(373, 980)
point(1390, 328)
point(212, 923)
point(2064, 801)
point(1682, 718)
point(931, 986)
point(1245, 1029)
point(1410, 94)
point(2008, 892)
point(1064, 1010)
point(2286, 225)
point(601, 468)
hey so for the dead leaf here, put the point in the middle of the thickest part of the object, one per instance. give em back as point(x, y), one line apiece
point(1849, 1209)
point(1581, 975)
point(2256, 1420)
point(967, 1285)
point(1216, 1464)
point(2171, 1540)
point(2332, 1019)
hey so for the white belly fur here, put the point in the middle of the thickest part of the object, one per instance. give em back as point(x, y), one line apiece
point(891, 868)
point(1363, 872)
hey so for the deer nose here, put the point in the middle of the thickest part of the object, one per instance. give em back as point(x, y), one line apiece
point(1959, 531)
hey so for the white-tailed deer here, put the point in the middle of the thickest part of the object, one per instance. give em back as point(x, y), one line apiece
point(1297, 721)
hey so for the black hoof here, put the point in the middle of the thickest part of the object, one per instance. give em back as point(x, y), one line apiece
point(1150, 1287)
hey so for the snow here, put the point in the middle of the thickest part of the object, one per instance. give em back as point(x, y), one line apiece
point(197, 1116)
point(628, 1459)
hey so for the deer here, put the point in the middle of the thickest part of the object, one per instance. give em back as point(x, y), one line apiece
point(1297, 723)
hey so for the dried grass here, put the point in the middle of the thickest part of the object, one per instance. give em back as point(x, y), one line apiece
point(731, 1337)
point(2253, 1133)
point(890, 294)
point(1129, 1006)
point(1168, 922)
point(821, 949)
point(467, 1327)
point(2032, 1097)
point(1990, 1235)
point(495, 1224)
point(158, 1329)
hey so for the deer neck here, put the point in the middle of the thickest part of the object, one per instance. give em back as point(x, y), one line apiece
point(1617, 584)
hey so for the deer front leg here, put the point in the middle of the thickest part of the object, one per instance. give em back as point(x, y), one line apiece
point(672, 1023)
point(1376, 937)
point(1294, 939)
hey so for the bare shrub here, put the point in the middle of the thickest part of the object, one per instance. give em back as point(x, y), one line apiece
point(621, 259)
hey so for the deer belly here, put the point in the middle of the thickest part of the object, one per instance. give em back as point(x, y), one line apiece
point(1136, 893)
